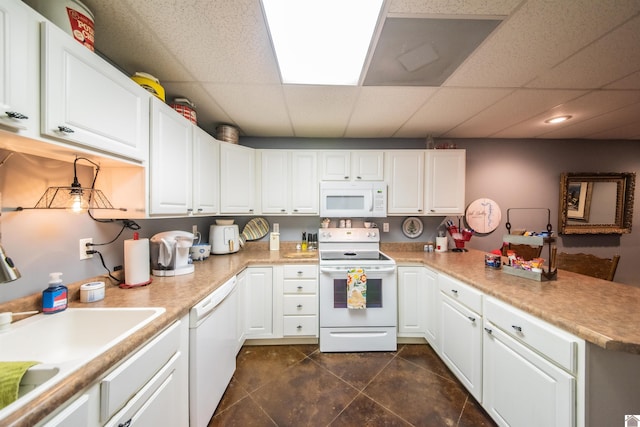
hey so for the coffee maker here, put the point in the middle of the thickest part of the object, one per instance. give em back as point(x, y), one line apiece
point(170, 253)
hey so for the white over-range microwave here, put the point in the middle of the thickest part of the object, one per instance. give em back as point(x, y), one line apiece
point(353, 199)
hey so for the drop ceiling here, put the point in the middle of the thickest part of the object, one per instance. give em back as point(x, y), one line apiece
point(543, 59)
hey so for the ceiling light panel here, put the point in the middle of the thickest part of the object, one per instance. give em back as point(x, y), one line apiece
point(321, 41)
point(424, 51)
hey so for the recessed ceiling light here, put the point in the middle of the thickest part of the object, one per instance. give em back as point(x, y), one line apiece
point(321, 41)
point(559, 119)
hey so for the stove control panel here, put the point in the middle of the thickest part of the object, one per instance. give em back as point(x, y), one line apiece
point(349, 235)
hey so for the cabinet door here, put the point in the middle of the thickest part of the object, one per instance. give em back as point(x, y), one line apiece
point(367, 165)
point(88, 102)
point(171, 155)
point(445, 182)
point(461, 344)
point(304, 183)
point(206, 173)
point(432, 292)
point(259, 300)
point(404, 170)
point(19, 68)
point(412, 309)
point(336, 165)
point(275, 181)
point(237, 179)
point(521, 388)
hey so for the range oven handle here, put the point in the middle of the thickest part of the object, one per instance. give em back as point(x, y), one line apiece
point(371, 270)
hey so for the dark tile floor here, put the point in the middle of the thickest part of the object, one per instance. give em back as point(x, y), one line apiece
point(296, 385)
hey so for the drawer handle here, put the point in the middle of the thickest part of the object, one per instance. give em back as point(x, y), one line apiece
point(489, 331)
point(517, 328)
point(65, 129)
point(299, 306)
point(299, 273)
point(473, 319)
point(299, 288)
point(125, 424)
point(454, 291)
point(299, 327)
point(16, 115)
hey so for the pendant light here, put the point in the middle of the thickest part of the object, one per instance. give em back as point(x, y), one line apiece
point(75, 198)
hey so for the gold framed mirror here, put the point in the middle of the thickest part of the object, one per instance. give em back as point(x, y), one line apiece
point(596, 203)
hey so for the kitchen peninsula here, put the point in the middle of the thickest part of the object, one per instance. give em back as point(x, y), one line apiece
point(590, 309)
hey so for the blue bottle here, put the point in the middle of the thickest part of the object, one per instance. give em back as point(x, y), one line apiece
point(55, 297)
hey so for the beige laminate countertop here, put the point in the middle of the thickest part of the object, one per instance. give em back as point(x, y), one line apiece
point(601, 312)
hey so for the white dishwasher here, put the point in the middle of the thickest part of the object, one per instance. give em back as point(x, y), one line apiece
point(212, 351)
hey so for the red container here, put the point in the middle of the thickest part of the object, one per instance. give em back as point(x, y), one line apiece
point(186, 108)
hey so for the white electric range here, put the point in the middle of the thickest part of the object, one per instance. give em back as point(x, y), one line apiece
point(344, 329)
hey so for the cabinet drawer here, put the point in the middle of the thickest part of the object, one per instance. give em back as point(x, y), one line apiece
point(301, 271)
point(301, 325)
point(300, 304)
point(554, 343)
point(464, 294)
point(127, 379)
point(302, 286)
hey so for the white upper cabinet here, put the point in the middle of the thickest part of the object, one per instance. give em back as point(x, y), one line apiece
point(184, 165)
point(206, 173)
point(289, 182)
point(344, 165)
point(171, 154)
point(237, 179)
point(404, 170)
point(87, 102)
point(19, 68)
point(445, 182)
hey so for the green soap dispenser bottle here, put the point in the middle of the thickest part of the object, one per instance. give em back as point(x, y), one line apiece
point(55, 297)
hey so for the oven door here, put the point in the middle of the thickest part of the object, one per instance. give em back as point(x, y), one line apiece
point(381, 300)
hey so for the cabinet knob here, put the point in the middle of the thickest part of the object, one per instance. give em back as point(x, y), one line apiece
point(358, 177)
point(250, 210)
point(16, 115)
point(282, 210)
point(517, 328)
point(295, 210)
point(65, 129)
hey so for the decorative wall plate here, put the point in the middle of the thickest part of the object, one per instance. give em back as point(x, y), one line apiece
point(483, 215)
point(412, 227)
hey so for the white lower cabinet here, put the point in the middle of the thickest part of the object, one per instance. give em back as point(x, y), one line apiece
point(148, 389)
point(258, 289)
point(300, 300)
point(460, 343)
point(412, 301)
point(526, 378)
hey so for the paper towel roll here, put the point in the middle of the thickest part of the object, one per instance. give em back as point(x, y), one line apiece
point(136, 262)
point(442, 244)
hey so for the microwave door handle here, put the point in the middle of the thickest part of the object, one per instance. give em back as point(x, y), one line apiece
point(371, 204)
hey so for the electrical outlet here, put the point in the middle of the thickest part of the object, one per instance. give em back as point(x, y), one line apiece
point(385, 227)
point(84, 248)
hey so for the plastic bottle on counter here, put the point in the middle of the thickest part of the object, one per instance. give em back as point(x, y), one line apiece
point(304, 244)
point(55, 297)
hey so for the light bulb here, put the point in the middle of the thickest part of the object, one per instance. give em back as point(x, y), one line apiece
point(76, 205)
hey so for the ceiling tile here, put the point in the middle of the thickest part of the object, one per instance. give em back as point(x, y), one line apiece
point(536, 37)
point(449, 7)
point(595, 72)
point(585, 107)
point(256, 109)
point(514, 108)
point(320, 111)
point(380, 111)
point(447, 108)
point(600, 125)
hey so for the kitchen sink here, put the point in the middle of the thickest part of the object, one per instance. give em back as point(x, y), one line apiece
point(65, 341)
